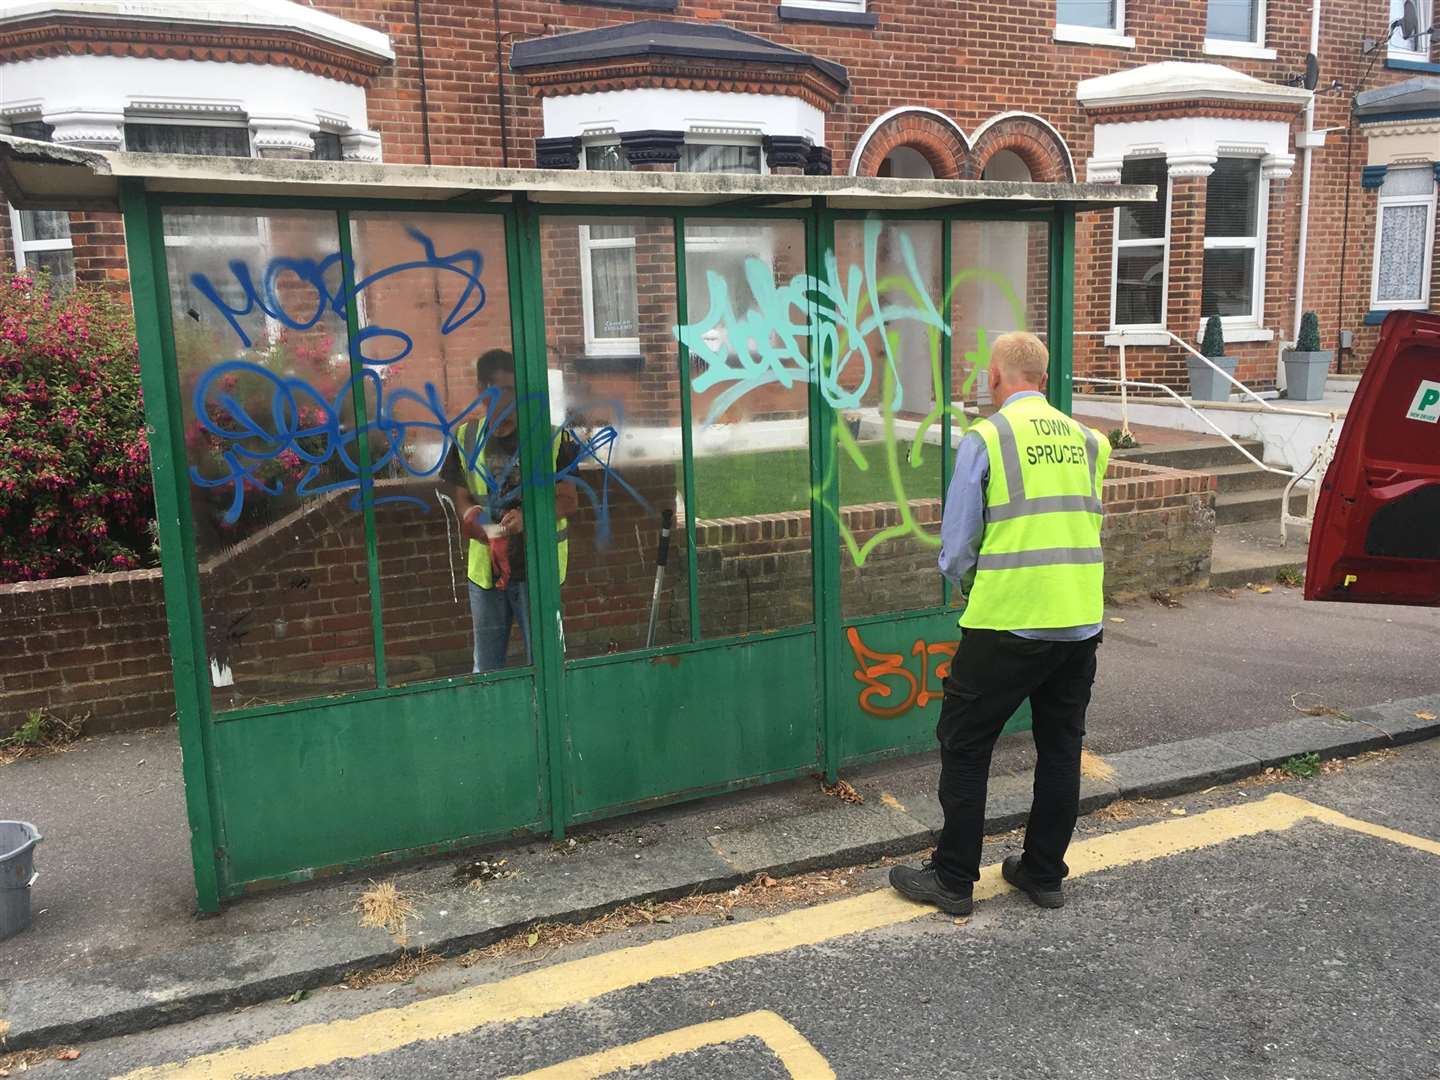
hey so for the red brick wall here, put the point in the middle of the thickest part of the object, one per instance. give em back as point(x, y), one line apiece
point(289, 607)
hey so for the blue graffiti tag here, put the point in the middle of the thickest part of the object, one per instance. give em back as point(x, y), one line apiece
point(311, 294)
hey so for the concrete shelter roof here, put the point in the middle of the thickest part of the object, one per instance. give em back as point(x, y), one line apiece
point(40, 176)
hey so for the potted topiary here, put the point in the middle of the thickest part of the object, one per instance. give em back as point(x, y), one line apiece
point(1306, 366)
point(1207, 384)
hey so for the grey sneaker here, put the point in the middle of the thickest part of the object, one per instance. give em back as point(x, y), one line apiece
point(1015, 873)
point(924, 886)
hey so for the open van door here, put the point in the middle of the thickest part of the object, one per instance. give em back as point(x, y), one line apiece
point(1376, 535)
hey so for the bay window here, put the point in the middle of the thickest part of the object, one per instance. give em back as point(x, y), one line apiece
point(1142, 235)
point(1231, 284)
point(1404, 234)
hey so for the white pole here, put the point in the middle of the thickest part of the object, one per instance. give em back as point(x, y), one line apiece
point(1124, 393)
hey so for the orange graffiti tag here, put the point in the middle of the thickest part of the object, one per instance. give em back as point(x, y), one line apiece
point(889, 699)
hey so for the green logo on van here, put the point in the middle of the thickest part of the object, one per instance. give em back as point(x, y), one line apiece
point(1426, 405)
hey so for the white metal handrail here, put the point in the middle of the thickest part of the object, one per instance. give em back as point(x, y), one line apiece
point(1322, 454)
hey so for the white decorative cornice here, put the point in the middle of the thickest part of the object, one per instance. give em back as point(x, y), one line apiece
point(1175, 80)
point(1401, 128)
point(1106, 171)
point(1277, 166)
point(90, 129)
point(1190, 164)
point(360, 146)
point(283, 136)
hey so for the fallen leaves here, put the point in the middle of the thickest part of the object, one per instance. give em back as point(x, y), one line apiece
point(1165, 599)
point(1261, 589)
point(886, 799)
point(385, 907)
point(476, 874)
point(1428, 717)
point(844, 791)
point(22, 1061)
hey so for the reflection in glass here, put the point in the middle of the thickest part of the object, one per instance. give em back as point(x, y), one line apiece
point(273, 455)
point(620, 409)
point(748, 335)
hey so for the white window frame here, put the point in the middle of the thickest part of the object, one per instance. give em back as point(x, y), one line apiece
point(1253, 50)
point(1253, 320)
point(24, 247)
point(1421, 303)
point(1118, 245)
point(853, 6)
point(1395, 47)
point(598, 346)
point(1095, 35)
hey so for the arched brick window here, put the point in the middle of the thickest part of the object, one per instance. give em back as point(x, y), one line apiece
point(1032, 140)
point(932, 135)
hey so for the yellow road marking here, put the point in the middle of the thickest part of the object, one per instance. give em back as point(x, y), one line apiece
point(800, 1059)
point(557, 987)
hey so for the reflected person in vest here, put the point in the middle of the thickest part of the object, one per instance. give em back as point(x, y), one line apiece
point(1023, 517)
point(483, 468)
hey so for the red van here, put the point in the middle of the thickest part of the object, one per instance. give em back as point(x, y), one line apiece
point(1376, 535)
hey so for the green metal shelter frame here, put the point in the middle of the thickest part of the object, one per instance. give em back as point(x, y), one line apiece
point(283, 792)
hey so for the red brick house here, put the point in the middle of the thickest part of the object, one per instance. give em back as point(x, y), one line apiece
point(1273, 199)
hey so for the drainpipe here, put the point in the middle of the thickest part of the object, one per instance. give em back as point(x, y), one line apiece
point(424, 82)
point(1309, 153)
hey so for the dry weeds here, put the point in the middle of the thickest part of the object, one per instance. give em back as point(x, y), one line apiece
point(385, 907)
point(1126, 810)
point(409, 966)
point(1095, 767)
point(764, 893)
point(1274, 775)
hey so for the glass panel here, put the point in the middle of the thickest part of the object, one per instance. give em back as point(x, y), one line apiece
point(1000, 282)
point(1232, 20)
point(1229, 287)
point(1139, 285)
point(273, 458)
point(606, 157)
point(188, 139)
point(328, 147)
point(1398, 40)
point(44, 225)
point(623, 416)
point(888, 428)
point(1147, 221)
point(719, 158)
point(434, 296)
point(748, 333)
point(33, 129)
point(1402, 254)
point(1099, 13)
point(1232, 198)
point(60, 265)
point(1408, 182)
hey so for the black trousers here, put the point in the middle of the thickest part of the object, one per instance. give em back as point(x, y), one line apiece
point(992, 673)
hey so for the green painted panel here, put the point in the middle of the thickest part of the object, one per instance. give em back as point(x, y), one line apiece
point(690, 722)
point(891, 683)
point(322, 788)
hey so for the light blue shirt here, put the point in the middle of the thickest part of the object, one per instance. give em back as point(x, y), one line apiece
point(963, 525)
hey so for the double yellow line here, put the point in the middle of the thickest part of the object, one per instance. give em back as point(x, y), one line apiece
point(547, 990)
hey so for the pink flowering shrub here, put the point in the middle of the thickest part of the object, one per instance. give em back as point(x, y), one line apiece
point(75, 492)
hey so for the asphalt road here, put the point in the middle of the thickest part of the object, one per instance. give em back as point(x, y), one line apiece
point(1282, 930)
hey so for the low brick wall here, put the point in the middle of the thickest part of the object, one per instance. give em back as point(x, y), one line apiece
point(288, 608)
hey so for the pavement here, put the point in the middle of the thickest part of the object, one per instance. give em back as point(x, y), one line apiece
point(1188, 698)
point(1275, 929)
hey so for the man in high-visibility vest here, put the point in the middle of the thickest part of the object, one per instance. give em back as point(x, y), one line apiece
point(483, 469)
point(1023, 514)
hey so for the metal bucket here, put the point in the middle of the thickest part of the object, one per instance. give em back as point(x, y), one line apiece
point(17, 874)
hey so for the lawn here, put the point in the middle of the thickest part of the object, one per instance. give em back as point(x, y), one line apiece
point(772, 481)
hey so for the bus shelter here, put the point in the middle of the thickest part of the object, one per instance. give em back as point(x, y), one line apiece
point(776, 369)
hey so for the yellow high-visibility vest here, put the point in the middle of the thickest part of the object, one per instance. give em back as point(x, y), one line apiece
point(478, 567)
point(1040, 564)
